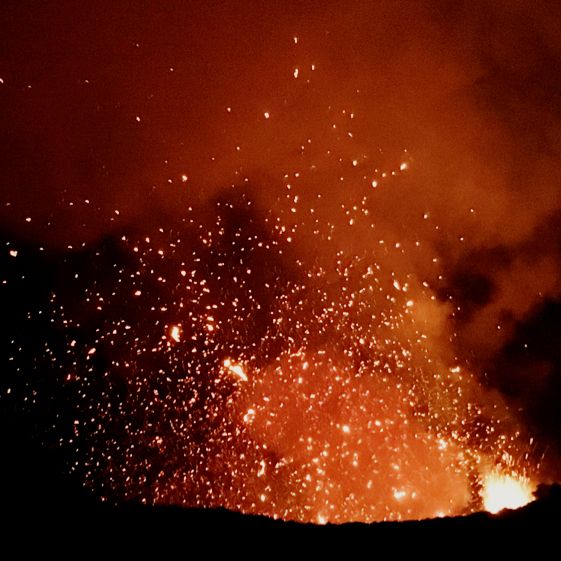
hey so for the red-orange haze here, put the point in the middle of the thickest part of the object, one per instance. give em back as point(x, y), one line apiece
point(352, 444)
point(331, 219)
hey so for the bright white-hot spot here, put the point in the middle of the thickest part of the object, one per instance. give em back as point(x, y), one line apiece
point(249, 416)
point(236, 370)
point(502, 491)
point(175, 333)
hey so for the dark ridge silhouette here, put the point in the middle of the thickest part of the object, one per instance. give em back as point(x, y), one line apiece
point(37, 497)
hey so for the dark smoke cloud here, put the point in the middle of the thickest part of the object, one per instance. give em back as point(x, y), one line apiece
point(112, 103)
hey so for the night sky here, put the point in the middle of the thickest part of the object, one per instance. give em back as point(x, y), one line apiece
point(299, 259)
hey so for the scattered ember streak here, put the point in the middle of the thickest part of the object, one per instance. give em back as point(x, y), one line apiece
point(502, 491)
point(236, 370)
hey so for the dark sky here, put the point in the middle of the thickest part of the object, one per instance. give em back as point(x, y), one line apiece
point(120, 117)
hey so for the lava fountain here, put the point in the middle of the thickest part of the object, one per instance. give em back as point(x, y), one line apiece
point(506, 491)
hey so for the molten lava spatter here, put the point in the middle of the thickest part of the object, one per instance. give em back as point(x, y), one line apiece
point(231, 370)
point(502, 491)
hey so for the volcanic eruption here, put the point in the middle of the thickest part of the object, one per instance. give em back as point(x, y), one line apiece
point(280, 259)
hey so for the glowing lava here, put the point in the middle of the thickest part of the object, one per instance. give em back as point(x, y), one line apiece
point(175, 333)
point(502, 491)
point(236, 370)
